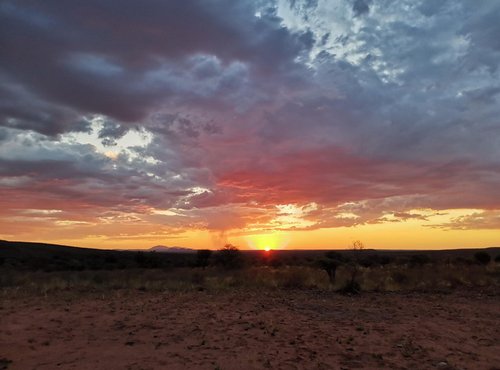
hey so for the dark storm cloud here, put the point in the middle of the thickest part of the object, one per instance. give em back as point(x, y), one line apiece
point(96, 57)
point(361, 7)
point(20, 109)
point(111, 131)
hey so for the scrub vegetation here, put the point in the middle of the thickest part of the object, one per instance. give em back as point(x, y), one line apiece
point(47, 268)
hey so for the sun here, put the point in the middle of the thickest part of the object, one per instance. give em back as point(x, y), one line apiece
point(268, 242)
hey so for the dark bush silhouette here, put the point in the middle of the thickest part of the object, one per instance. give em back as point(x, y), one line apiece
point(110, 259)
point(148, 259)
point(203, 257)
point(330, 266)
point(497, 259)
point(335, 256)
point(330, 263)
point(351, 287)
point(4, 363)
point(295, 279)
point(385, 260)
point(399, 277)
point(229, 257)
point(483, 258)
point(368, 261)
point(463, 261)
point(140, 258)
point(275, 263)
point(419, 259)
point(375, 260)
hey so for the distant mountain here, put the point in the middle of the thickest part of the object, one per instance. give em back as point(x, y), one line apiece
point(165, 249)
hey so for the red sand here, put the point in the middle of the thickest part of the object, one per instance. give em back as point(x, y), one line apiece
point(249, 330)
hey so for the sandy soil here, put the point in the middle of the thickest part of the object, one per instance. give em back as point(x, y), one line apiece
point(250, 330)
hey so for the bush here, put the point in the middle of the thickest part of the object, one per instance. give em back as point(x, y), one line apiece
point(330, 266)
point(330, 263)
point(275, 263)
point(148, 259)
point(229, 257)
point(463, 261)
point(295, 278)
point(351, 287)
point(482, 258)
point(203, 257)
point(375, 260)
point(109, 259)
point(399, 277)
point(497, 259)
point(333, 255)
point(419, 259)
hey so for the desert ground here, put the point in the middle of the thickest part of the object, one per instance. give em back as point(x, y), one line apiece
point(250, 329)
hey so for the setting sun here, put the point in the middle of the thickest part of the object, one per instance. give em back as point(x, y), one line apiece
point(268, 242)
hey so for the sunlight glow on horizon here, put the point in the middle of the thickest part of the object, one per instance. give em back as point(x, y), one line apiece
point(268, 241)
point(123, 234)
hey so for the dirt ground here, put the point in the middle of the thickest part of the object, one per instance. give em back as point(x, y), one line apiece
point(250, 330)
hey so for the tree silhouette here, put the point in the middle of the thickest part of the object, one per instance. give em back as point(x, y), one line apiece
point(229, 257)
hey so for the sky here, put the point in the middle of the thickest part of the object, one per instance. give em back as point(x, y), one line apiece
point(265, 123)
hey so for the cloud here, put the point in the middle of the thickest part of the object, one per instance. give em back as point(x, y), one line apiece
point(476, 221)
point(111, 131)
point(361, 7)
point(368, 109)
point(122, 64)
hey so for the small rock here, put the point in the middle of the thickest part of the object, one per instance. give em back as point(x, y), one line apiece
point(442, 365)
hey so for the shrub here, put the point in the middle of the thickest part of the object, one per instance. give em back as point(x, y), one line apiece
point(482, 258)
point(375, 260)
point(350, 287)
point(419, 259)
point(385, 260)
point(275, 263)
point(198, 278)
point(334, 256)
point(4, 363)
point(497, 259)
point(399, 277)
point(368, 261)
point(110, 259)
point(295, 278)
point(203, 257)
point(330, 263)
point(229, 257)
point(463, 261)
point(330, 266)
point(147, 259)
